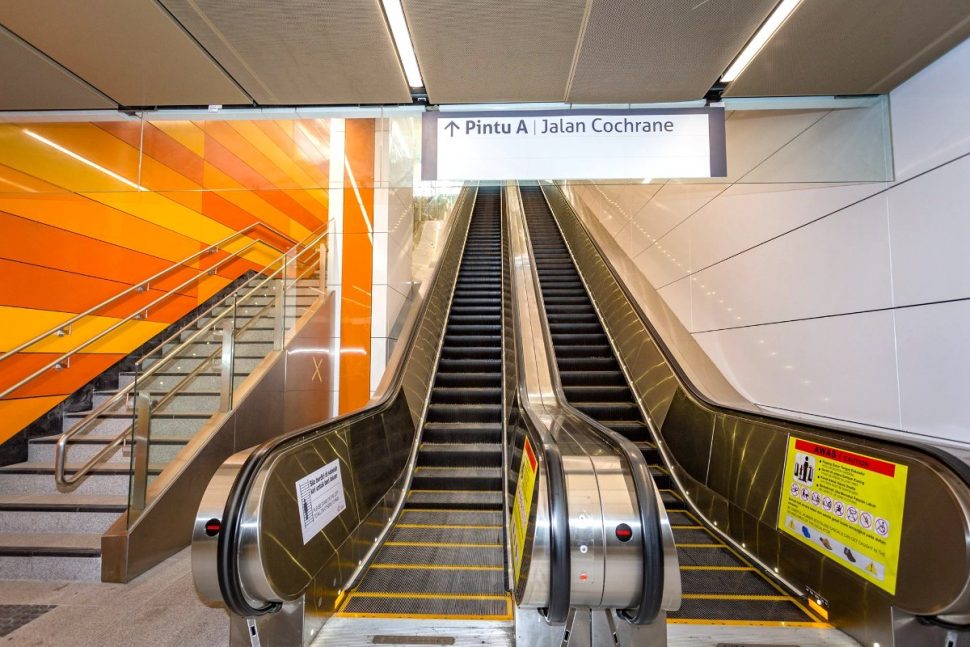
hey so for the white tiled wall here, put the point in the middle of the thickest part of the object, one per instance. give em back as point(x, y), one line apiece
point(846, 301)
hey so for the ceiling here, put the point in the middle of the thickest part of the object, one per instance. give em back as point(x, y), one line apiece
point(69, 55)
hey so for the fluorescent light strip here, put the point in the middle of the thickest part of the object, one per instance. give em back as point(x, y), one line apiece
point(775, 20)
point(83, 159)
point(402, 41)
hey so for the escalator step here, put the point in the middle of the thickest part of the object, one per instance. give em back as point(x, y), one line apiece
point(471, 352)
point(579, 350)
point(497, 607)
point(457, 500)
point(450, 432)
point(469, 380)
point(588, 364)
point(470, 365)
point(465, 395)
point(591, 378)
point(460, 455)
point(451, 517)
point(464, 412)
point(609, 412)
point(592, 393)
point(458, 478)
point(437, 581)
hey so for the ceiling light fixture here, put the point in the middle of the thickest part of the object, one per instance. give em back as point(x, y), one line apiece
point(768, 29)
point(83, 159)
point(402, 41)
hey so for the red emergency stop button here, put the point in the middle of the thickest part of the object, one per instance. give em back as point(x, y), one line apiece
point(212, 527)
point(624, 532)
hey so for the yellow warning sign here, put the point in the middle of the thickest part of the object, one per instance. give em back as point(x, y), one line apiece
point(522, 506)
point(846, 506)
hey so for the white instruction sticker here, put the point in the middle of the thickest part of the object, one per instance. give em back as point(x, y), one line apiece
point(320, 496)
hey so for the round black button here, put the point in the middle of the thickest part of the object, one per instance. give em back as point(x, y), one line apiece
point(624, 532)
point(212, 527)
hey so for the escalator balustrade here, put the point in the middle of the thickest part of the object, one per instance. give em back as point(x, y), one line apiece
point(445, 556)
point(718, 584)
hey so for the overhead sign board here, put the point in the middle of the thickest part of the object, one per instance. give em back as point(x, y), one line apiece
point(573, 144)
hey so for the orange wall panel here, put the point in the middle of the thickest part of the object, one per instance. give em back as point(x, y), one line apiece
point(71, 235)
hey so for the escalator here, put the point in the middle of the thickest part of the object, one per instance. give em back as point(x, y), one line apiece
point(718, 584)
point(444, 558)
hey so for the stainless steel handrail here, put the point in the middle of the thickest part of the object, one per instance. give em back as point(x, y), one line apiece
point(139, 287)
point(60, 455)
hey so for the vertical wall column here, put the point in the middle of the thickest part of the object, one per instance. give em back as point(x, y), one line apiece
point(357, 263)
point(335, 230)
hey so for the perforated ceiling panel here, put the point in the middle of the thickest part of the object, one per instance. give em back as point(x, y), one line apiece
point(495, 50)
point(131, 50)
point(29, 79)
point(289, 52)
point(858, 47)
point(643, 51)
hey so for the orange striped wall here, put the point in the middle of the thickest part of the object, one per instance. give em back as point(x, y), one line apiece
point(72, 235)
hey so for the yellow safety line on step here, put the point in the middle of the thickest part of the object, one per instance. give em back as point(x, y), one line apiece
point(439, 567)
point(701, 546)
point(449, 510)
point(434, 544)
point(428, 525)
point(428, 616)
point(747, 623)
point(736, 597)
point(718, 568)
point(688, 527)
point(427, 596)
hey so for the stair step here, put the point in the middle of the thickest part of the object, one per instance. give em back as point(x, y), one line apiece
point(50, 556)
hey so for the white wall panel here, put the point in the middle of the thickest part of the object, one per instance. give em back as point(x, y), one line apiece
point(934, 369)
point(748, 214)
point(804, 295)
point(837, 367)
point(671, 206)
point(835, 265)
point(667, 260)
point(929, 224)
point(677, 297)
point(930, 124)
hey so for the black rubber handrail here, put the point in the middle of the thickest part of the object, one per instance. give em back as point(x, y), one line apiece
point(651, 589)
point(230, 585)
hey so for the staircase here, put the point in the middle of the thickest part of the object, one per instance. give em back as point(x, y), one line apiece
point(53, 535)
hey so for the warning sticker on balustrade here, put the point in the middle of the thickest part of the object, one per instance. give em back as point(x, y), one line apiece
point(522, 507)
point(847, 506)
point(320, 496)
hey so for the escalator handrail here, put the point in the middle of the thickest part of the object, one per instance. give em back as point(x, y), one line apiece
point(230, 584)
point(954, 463)
point(652, 588)
point(560, 568)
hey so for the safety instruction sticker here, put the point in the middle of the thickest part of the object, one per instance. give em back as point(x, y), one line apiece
point(320, 496)
point(846, 506)
point(522, 506)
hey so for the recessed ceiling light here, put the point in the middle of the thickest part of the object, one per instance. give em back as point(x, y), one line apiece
point(763, 35)
point(402, 41)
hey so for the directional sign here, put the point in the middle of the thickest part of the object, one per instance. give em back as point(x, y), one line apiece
point(573, 144)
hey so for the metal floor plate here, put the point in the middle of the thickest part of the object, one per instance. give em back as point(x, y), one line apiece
point(361, 632)
point(430, 607)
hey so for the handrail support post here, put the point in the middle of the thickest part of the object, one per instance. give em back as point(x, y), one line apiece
point(228, 353)
point(279, 323)
point(139, 450)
